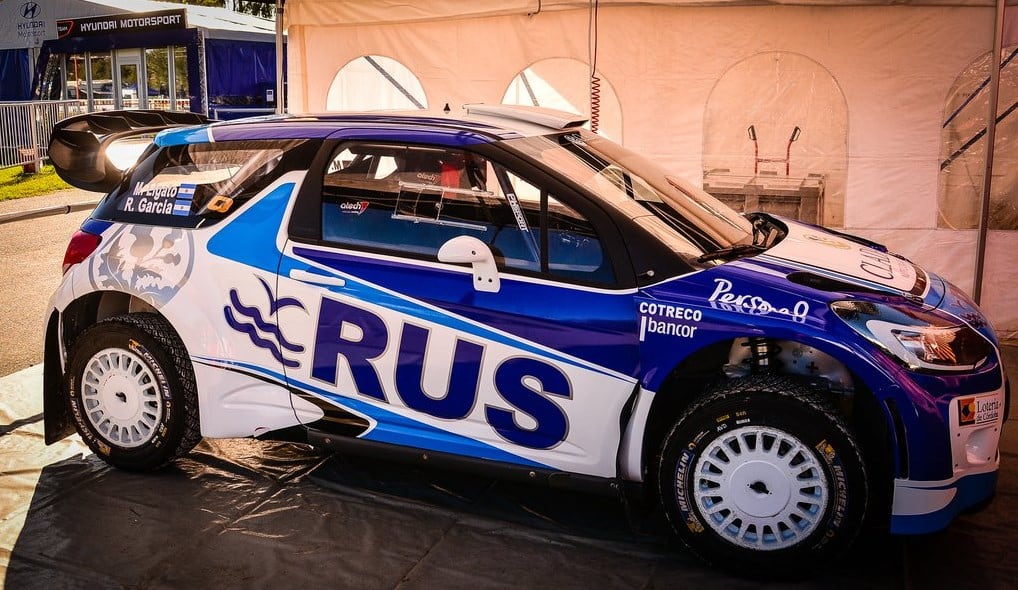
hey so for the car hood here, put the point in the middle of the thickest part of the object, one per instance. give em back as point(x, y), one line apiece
point(798, 278)
point(838, 262)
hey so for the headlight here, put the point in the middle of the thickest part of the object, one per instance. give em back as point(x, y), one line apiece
point(920, 339)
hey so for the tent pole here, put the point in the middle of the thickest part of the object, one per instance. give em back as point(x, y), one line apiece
point(991, 133)
point(280, 87)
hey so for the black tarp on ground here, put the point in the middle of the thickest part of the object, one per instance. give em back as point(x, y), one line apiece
point(249, 514)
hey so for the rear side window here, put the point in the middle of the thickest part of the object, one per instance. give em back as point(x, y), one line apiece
point(199, 184)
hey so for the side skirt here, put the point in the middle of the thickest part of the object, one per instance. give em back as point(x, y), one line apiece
point(495, 469)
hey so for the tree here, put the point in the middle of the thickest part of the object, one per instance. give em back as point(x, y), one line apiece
point(262, 8)
point(257, 8)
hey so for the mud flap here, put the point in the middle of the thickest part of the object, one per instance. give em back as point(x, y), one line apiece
point(58, 423)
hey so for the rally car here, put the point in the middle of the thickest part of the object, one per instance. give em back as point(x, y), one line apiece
point(506, 292)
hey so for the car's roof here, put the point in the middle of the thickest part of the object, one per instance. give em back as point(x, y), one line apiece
point(477, 124)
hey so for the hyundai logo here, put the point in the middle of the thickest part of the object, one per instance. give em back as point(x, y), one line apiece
point(29, 10)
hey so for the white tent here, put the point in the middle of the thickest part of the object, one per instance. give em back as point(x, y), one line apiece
point(883, 94)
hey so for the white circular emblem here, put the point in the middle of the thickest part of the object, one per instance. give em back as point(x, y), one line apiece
point(152, 263)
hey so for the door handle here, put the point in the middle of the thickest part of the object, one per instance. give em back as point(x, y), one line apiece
point(310, 277)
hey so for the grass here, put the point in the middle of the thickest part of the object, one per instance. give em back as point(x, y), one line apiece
point(16, 185)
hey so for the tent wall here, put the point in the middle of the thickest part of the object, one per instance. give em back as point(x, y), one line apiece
point(16, 73)
point(239, 72)
point(894, 67)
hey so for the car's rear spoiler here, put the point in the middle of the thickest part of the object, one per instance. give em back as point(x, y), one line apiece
point(78, 145)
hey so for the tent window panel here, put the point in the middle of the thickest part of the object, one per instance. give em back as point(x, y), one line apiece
point(963, 147)
point(375, 82)
point(776, 139)
point(565, 84)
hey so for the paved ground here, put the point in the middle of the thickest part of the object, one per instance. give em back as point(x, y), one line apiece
point(29, 272)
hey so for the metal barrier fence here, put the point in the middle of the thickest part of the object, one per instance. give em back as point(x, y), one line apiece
point(158, 104)
point(25, 129)
point(47, 211)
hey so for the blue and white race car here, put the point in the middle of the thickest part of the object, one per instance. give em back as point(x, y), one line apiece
point(507, 292)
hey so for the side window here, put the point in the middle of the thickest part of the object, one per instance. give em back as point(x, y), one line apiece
point(413, 199)
point(573, 248)
point(200, 184)
point(410, 200)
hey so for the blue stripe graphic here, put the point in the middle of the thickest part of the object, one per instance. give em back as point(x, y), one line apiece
point(390, 427)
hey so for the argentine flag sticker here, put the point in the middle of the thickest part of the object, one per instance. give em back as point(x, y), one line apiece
point(185, 196)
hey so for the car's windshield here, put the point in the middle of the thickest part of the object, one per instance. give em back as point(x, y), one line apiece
point(689, 220)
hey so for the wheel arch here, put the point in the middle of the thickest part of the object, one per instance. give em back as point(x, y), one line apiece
point(96, 306)
point(62, 329)
point(870, 419)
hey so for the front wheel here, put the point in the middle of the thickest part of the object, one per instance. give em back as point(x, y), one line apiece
point(131, 392)
point(762, 476)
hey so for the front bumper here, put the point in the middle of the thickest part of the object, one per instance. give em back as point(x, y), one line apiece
point(929, 506)
point(975, 424)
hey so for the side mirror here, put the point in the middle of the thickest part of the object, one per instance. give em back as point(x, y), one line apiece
point(795, 134)
point(470, 250)
point(752, 133)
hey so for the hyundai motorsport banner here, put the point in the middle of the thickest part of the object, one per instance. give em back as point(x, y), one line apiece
point(132, 22)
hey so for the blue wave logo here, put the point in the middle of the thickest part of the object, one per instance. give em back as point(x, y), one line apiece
point(262, 332)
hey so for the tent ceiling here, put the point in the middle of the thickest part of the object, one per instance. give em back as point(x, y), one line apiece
point(361, 12)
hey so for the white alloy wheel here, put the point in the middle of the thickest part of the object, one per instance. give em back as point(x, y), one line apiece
point(761, 488)
point(121, 397)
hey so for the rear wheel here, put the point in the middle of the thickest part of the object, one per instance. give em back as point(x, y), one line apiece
point(762, 476)
point(131, 392)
